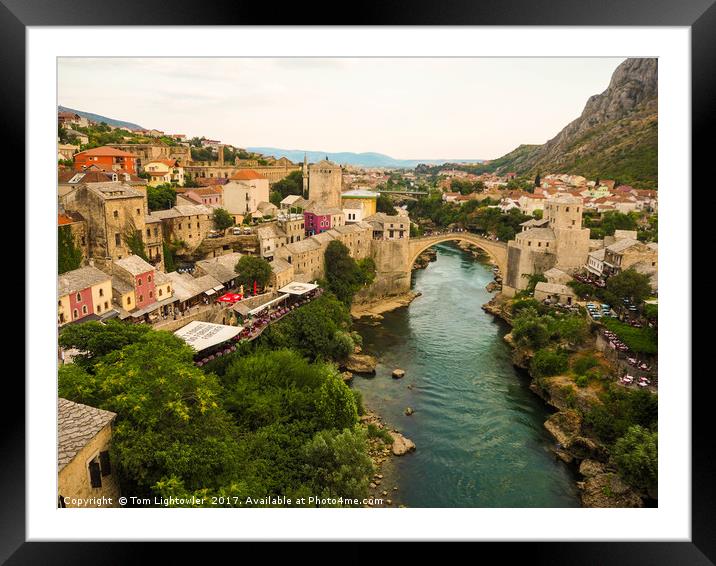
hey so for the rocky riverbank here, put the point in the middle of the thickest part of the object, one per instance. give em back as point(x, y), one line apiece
point(384, 445)
point(376, 308)
point(600, 485)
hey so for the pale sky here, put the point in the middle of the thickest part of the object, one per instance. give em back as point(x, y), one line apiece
point(413, 108)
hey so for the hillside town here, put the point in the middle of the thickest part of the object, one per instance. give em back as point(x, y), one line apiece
point(216, 245)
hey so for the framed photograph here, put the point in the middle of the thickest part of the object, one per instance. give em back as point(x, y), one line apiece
point(391, 281)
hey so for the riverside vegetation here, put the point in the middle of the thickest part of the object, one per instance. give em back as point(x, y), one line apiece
point(610, 431)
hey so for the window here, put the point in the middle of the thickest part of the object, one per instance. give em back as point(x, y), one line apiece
point(106, 305)
point(139, 280)
point(84, 309)
point(117, 239)
point(78, 297)
point(149, 278)
point(149, 232)
point(141, 298)
point(151, 294)
point(101, 292)
point(95, 473)
point(529, 243)
point(75, 314)
point(129, 300)
point(160, 291)
point(116, 214)
point(139, 211)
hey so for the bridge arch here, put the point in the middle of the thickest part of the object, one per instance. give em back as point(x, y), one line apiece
point(496, 250)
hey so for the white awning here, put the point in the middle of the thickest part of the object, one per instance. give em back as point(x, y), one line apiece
point(202, 335)
point(209, 292)
point(296, 288)
point(265, 305)
point(218, 288)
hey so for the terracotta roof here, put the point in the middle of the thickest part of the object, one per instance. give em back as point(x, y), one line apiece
point(77, 424)
point(203, 191)
point(246, 175)
point(105, 150)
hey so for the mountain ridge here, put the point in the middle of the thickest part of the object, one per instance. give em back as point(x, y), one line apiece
point(616, 136)
point(364, 159)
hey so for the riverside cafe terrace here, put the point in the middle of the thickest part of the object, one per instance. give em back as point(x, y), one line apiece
point(209, 340)
point(257, 313)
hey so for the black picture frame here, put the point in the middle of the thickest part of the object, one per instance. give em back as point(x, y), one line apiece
point(699, 15)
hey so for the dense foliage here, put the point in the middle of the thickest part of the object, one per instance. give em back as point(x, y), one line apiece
point(222, 219)
point(274, 424)
point(536, 329)
point(318, 330)
point(643, 340)
point(292, 184)
point(161, 197)
point(252, 269)
point(344, 276)
point(69, 255)
point(636, 456)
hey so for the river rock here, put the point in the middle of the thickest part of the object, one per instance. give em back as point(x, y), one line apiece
point(564, 426)
point(590, 468)
point(409, 411)
point(346, 376)
point(609, 490)
point(401, 445)
point(360, 363)
point(398, 373)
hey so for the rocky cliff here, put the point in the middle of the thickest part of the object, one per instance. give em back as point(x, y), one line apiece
point(614, 138)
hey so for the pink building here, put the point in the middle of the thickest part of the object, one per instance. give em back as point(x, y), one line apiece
point(139, 274)
point(316, 222)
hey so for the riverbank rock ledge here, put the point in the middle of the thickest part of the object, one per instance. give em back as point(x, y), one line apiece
point(401, 445)
point(398, 373)
point(360, 363)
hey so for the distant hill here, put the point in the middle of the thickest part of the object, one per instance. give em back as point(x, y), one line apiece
point(349, 158)
point(614, 138)
point(100, 118)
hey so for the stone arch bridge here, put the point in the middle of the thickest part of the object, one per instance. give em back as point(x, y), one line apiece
point(496, 250)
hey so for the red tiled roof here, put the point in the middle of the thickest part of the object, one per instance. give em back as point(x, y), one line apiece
point(246, 175)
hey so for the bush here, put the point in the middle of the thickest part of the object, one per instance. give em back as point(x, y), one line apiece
point(636, 457)
point(581, 380)
point(546, 363)
point(584, 363)
point(376, 432)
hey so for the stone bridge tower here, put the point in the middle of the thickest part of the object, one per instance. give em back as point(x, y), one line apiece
point(324, 184)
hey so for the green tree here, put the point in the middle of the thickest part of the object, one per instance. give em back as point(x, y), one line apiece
point(292, 184)
point(338, 463)
point(546, 363)
point(222, 219)
point(95, 339)
point(169, 261)
point(636, 457)
point(69, 255)
point(135, 242)
point(161, 197)
point(630, 284)
point(252, 268)
point(316, 330)
point(385, 205)
point(170, 420)
point(344, 276)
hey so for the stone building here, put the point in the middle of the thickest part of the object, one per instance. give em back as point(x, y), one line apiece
point(84, 467)
point(113, 211)
point(106, 156)
point(325, 179)
point(84, 293)
point(558, 240)
point(627, 252)
point(189, 224)
point(69, 180)
point(359, 204)
point(244, 192)
point(146, 152)
point(140, 291)
point(555, 293)
point(163, 171)
point(387, 227)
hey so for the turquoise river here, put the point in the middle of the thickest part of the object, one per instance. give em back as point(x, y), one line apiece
point(477, 427)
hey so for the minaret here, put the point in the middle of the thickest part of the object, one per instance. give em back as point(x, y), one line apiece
point(305, 175)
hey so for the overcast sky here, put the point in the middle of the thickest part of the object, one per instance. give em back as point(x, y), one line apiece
point(469, 108)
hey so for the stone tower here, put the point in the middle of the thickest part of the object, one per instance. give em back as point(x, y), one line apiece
point(324, 184)
point(572, 241)
point(305, 176)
